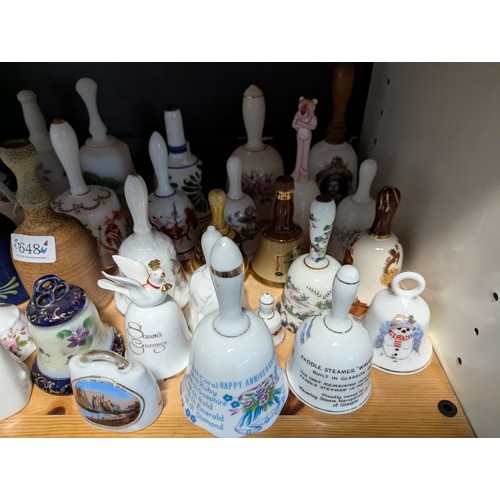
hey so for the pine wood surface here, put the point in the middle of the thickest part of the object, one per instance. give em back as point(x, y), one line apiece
point(399, 406)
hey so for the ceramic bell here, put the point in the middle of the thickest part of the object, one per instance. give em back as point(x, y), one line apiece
point(329, 368)
point(156, 332)
point(308, 286)
point(104, 159)
point(184, 167)
point(47, 242)
point(16, 385)
point(354, 213)
point(306, 189)
point(113, 393)
point(49, 170)
point(233, 385)
point(282, 241)
point(64, 322)
point(146, 243)
point(202, 296)
point(9, 206)
point(96, 207)
point(239, 210)
point(333, 161)
point(376, 252)
point(261, 163)
point(170, 210)
point(14, 333)
point(217, 199)
point(398, 322)
point(268, 312)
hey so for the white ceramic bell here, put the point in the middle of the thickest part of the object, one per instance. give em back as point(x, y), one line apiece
point(239, 210)
point(184, 167)
point(170, 210)
point(354, 213)
point(64, 322)
point(261, 163)
point(49, 170)
point(398, 321)
point(202, 297)
point(96, 207)
point(376, 252)
point(156, 332)
point(233, 385)
point(268, 312)
point(114, 393)
point(306, 189)
point(16, 385)
point(146, 243)
point(308, 286)
point(329, 368)
point(14, 332)
point(105, 160)
point(333, 162)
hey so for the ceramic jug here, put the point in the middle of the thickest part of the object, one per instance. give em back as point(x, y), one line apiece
point(261, 163)
point(170, 210)
point(14, 333)
point(398, 321)
point(49, 170)
point(269, 313)
point(306, 189)
point(96, 207)
point(308, 286)
point(156, 332)
point(354, 213)
point(113, 393)
point(64, 322)
point(329, 368)
point(12, 290)
point(233, 385)
point(240, 210)
point(104, 159)
point(184, 167)
point(146, 243)
point(376, 252)
point(333, 162)
point(16, 386)
point(47, 242)
point(282, 241)
point(202, 296)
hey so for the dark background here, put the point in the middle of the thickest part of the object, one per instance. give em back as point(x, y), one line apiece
point(131, 98)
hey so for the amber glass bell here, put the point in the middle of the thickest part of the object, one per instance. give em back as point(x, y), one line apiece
point(217, 201)
point(282, 241)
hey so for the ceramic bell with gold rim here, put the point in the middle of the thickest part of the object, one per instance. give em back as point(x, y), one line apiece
point(233, 385)
point(282, 241)
point(376, 252)
point(217, 201)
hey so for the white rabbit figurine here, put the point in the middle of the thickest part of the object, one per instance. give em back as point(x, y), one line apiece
point(156, 332)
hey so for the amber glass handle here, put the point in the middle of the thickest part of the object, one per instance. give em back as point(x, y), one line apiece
point(217, 201)
point(343, 77)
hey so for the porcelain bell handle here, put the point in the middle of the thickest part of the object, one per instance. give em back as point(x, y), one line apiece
point(254, 115)
point(159, 157)
point(321, 217)
point(174, 128)
point(35, 121)
point(367, 172)
point(136, 196)
point(107, 356)
point(413, 292)
point(344, 290)
point(234, 173)
point(343, 77)
point(87, 89)
point(65, 145)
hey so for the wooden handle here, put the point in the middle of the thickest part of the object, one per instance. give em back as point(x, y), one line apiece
point(343, 77)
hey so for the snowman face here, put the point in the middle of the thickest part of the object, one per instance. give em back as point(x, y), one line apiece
point(403, 330)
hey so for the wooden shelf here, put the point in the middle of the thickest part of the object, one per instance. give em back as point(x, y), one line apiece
point(399, 406)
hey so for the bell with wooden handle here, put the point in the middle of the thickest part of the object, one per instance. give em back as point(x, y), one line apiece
point(332, 161)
